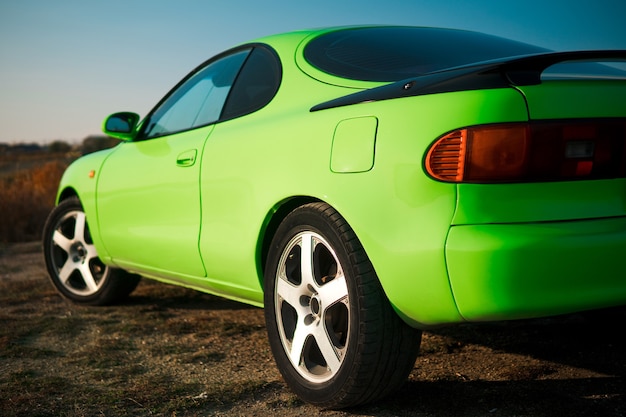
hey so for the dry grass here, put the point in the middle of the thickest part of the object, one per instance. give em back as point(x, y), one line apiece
point(28, 186)
point(176, 356)
point(171, 351)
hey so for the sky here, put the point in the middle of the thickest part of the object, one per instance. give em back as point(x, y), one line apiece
point(67, 64)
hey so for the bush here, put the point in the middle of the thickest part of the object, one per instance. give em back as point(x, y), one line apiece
point(96, 143)
point(26, 198)
point(59, 146)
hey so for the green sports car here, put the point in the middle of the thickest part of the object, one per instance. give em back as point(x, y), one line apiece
point(362, 184)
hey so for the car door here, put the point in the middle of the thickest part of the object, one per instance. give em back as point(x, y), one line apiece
point(148, 193)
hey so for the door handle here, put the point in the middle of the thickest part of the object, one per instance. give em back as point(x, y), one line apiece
point(187, 158)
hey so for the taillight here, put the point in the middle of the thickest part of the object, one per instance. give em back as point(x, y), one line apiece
point(532, 151)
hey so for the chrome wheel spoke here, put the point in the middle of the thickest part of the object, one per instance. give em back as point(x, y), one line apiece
point(79, 228)
point(334, 291)
point(289, 293)
point(297, 347)
point(88, 277)
point(327, 349)
point(91, 254)
point(306, 260)
point(66, 271)
point(61, 241)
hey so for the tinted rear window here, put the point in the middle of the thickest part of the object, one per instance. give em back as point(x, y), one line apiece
point(396, 53)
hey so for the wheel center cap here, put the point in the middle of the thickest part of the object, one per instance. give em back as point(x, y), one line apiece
point(78, 252)
point(315, 306)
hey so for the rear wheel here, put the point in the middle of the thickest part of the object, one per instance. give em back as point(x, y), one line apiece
point(333, 333)
point(72, 260)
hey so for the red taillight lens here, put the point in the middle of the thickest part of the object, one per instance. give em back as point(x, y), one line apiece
point(535, 151)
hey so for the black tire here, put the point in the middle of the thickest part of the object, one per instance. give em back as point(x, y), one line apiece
point(72, 260)
point(334, 335)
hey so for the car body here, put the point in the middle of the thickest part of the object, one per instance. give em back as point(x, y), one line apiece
point(474, 183)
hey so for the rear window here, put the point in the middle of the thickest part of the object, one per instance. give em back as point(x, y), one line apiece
point(396, 53)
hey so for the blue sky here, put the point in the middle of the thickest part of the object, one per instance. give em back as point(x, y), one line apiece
point(66, 64)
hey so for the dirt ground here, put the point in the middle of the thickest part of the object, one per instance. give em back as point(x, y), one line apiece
point(170, 351)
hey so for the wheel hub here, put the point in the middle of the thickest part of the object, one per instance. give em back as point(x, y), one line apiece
point(316, 306)
point(78, 253)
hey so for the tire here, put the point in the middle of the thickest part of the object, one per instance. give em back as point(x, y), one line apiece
point(72, 260)
point(333, 333)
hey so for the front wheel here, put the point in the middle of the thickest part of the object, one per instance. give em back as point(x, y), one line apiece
point(335, 338)
point(72, 260)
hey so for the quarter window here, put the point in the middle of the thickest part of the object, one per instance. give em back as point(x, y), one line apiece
point(256, 85)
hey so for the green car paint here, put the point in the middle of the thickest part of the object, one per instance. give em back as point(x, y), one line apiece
point(551, 267)
point(354, 145)
point(80, 179)
point(196, 208)
point(570, 99)
point(558, 243)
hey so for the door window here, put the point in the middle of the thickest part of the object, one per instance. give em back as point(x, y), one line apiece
point(199, 100)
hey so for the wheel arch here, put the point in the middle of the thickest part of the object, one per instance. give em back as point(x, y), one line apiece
point(272, 220)
point(66, 193)
point(87, 201)
point(416, 284)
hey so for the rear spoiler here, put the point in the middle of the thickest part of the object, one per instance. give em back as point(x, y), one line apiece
point(507, 72)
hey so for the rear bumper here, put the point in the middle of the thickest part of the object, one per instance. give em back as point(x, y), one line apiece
point(527, 270)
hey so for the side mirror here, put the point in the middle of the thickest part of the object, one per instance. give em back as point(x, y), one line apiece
point(121, 125)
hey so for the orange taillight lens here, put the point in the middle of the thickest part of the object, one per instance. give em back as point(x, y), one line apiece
point(446, 158)
point(535, 151)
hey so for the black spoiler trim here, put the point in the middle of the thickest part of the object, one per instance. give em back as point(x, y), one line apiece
point(507, 72)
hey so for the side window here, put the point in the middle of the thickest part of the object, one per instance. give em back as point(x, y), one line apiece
point(199, 100)
point(256, 85)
